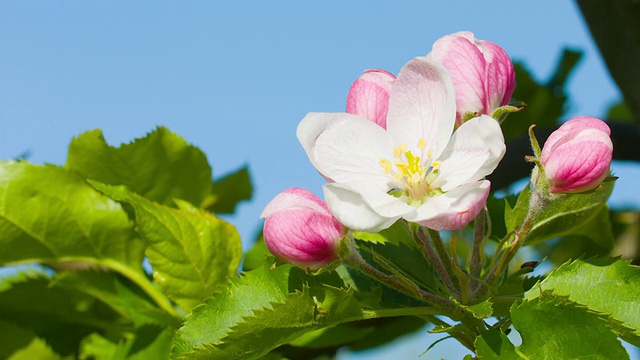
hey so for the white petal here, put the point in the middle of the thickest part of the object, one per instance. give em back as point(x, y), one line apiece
point(422, 105)
point(372, 211)
point(474, 151)
point(352, 151)
point(454, 209)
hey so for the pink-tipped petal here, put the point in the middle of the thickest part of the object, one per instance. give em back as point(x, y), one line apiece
point(500, 75)
point(422, 106)
point(577, 156)
point(298, 198)
point(482, 73)
point(467, 67)
point(300, 230)
point(369, 96)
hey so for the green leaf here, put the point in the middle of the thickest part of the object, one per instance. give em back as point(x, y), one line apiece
point(148, 342)
point(269, 328)
point(257, 256)
point(161, 166)
point(334, 336)
point(118, 293)
point(396, 234)
point(228, 191)
point(48, 214)
point(239, 298)
point(492, 344)
point(481, 310)
point(59, 316)
point(568, 214)
point(555, 328)
point(191, 252)
point(17, 343)
point(606, 286)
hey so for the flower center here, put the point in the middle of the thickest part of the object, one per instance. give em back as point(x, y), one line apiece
point(412, 175)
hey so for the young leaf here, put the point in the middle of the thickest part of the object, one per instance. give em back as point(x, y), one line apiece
point(161, 166)
point(191, 251)
point(269, 328)
point(59, 316)
point(239, 298)
point(492, 344)
point(228, 191)
point(606, 286)
point(49, 215)
point(17, 343)
point(554, 328)
point(148, 342)
point(118, 293)
point(566, 215)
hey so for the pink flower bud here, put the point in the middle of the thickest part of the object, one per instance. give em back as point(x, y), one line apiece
point(300, 229)
point(577, 156)
point(369, 96)
point(482, 73)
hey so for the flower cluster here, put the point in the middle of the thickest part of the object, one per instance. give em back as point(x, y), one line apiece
point(417, 147)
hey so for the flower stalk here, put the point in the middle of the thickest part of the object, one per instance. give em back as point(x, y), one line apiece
point(352, 258)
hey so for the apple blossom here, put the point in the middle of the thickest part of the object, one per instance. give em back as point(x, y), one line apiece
point(482, 73)
point(369, 96)
point(300, 229)
point(414, 169)
point(577, 156)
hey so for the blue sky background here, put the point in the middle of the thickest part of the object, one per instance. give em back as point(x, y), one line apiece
point(234, 78)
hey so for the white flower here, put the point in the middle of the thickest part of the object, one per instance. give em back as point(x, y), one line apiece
point(414, 169)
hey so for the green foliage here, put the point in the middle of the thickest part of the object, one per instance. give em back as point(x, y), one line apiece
point(494, 345)
point(58, 315)
point(48, 214)
point(578, 214)
point(17, 343)
point(148, 342)
point(191, 251)
point(605, 286)
point(228, 191)
point(239, 298)
point(155, 166)
point(553, 328)
point(118, 293)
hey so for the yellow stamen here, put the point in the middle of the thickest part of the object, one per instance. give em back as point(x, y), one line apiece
point(399, 150)
point(386, 165)
point(422, 143)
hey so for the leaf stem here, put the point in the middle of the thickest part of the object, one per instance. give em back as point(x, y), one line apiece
point(141, 280)
point(351, 257)
point(422, 240)
point(442, 252)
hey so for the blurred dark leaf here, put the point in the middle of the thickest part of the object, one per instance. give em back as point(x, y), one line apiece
point(615, 27)
point(228, 191)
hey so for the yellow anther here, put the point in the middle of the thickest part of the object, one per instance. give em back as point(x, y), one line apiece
point(399, 150)
point(386, 165)
point(422, 143)
point(435, 165)
point(430, 153)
